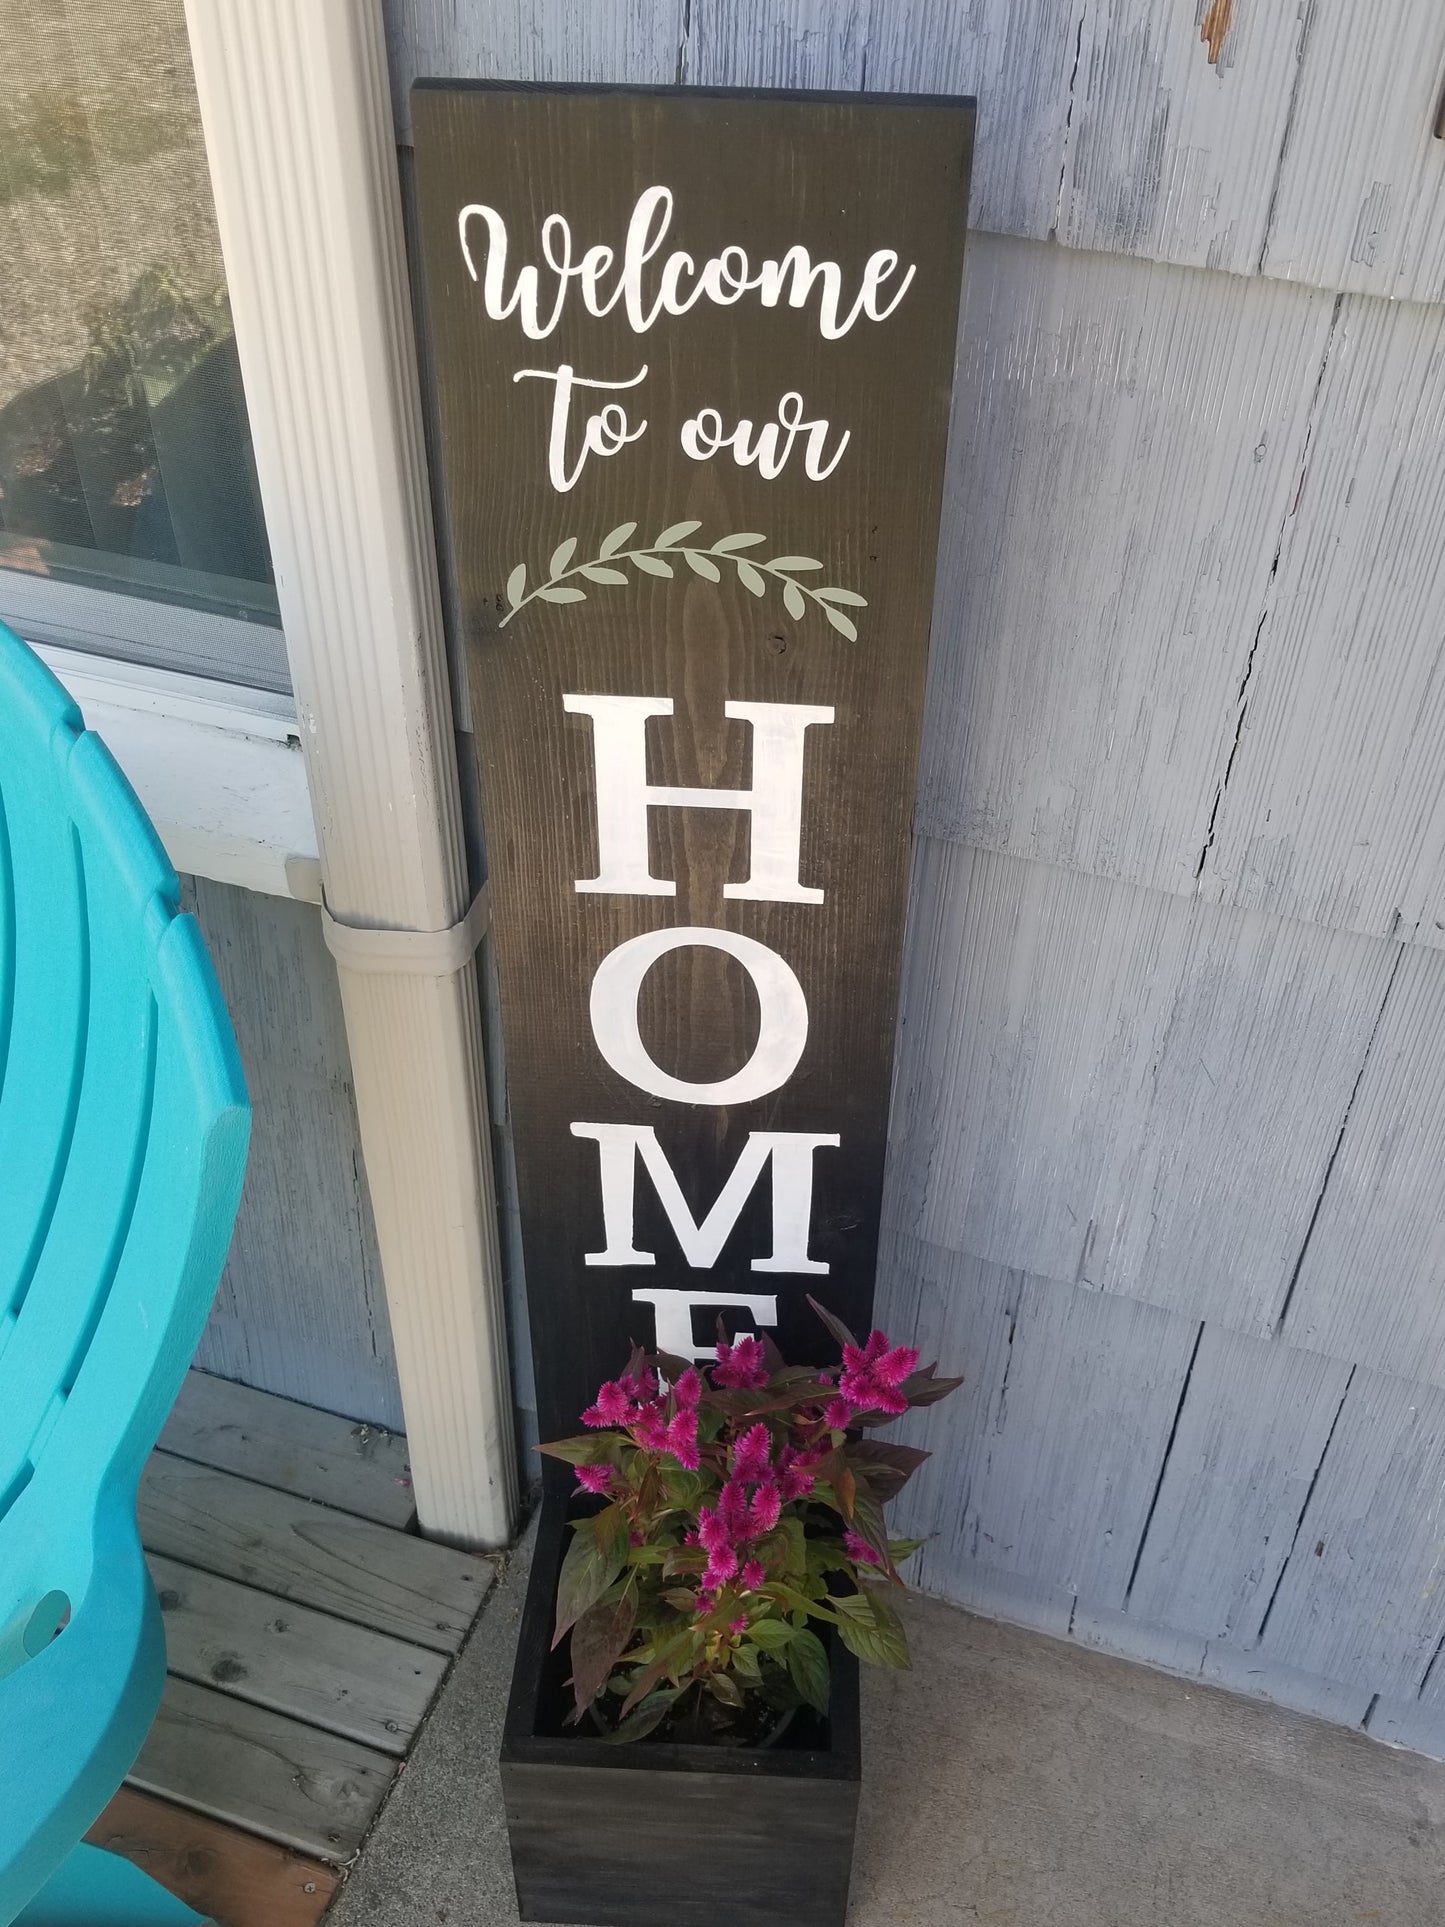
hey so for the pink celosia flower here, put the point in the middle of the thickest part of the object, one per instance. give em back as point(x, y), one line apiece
point(721, 1565)
point(794, 1479)
point(680, 1438)
point(872, 1374)
point(763, 1512)
point(838, 1414)
point(737, 1627)
point(754, 1574)
point(640, 1384)
point(752, 1454)
point(733, 1507)
point(594, 1478)
point(611, 1408)
point(688, 1389)
point(742, 1365)
point(713, 1531)
point(860, 1551)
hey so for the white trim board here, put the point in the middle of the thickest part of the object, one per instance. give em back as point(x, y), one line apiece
point(217, 767)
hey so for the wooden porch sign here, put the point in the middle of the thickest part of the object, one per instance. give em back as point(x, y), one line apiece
point(692, 357)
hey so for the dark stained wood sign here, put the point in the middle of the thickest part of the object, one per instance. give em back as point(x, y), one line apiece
point(692, 357)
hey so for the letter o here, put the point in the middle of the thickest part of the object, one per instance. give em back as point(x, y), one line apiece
point(782, 1032)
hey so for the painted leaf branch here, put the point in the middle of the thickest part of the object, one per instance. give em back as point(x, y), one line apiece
point(566, 577)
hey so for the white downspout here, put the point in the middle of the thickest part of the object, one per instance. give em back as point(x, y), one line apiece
point(297, 116)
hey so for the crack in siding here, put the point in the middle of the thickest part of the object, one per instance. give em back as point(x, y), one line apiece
point(1278, 1326)
point(1429, 1670)
point(682, 45)
point(1304, 1509)
point(1370, 1712)
point(1163, 1465)
point(1307, 21)
point(1242, 697)
point(1068, 126)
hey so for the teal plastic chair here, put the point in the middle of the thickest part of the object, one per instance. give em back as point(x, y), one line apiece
point(124, 1124)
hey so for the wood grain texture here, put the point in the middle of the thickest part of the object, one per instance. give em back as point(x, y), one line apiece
point(1335, 808)
point(312, 1666)
point(1360, 202)
point(391, 1581)
point(1090, 1075)
point(301, 1309)
point(277, 1441)
point(1126, 443)
point(1171, 153)
point(639, 42)
point(1047, 1461)
point(1252, 1432)
point(1361, 1601)
point(225, 1874)
point(1371, 1285)
point(258, 1770)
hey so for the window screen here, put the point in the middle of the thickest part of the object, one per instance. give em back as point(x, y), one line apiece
point(126, 474)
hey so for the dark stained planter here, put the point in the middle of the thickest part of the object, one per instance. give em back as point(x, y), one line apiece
point(662, 1835)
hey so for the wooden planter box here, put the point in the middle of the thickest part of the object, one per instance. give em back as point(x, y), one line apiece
point(662, 1835)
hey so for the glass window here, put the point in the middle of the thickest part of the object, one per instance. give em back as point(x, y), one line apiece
point(126, 472)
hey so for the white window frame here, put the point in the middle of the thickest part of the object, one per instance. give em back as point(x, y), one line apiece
point(347, 794)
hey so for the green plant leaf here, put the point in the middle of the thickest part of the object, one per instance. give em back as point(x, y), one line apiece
point(562, 555)
point(889, 1467)
point(599, 1640)
point(900, 1549)
point(668, 1659)
point(517, 585)
point(808, 1665)
point(674, 532)
point(587, 1572)
point(841, 623)
point(794, 562)
point(724, 1689)
point(771, 1633)
point(562, 595)
point(652, 564)
point(868, 1521)
point(700, 565)
point(871, 1630)
point(926, 1387)
point(750, 578)
point(848, 597)
point(612, 543)
point(594, 572)
point(793, 601)
point(728, 543)
point(594, 1448)
point(837, 1330)
point(745, 1664)
point(648, 1715)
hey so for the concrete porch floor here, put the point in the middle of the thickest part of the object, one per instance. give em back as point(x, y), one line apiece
point(1008, 1779)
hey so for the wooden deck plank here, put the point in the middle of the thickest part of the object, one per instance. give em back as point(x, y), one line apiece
point(230, 1876)
point(275, 1441)
point(364, 1685)
point(353, 1568)
point(261, 1771)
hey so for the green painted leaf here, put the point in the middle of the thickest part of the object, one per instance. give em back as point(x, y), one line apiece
point(793, 601)
point(562, 555)
point(652, 564)
point(751, 579)
point(728, 543)
point(587, 1572)
point(847, 597)
point(841, 623)
point(794, 562)
point(599, 1640)
point(700, 565)
point(612, 543)
point(563, 595)
point(808, 1665)
point(674, 532)
point(517, 585)
point(594, 572)
point(771, 1633)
